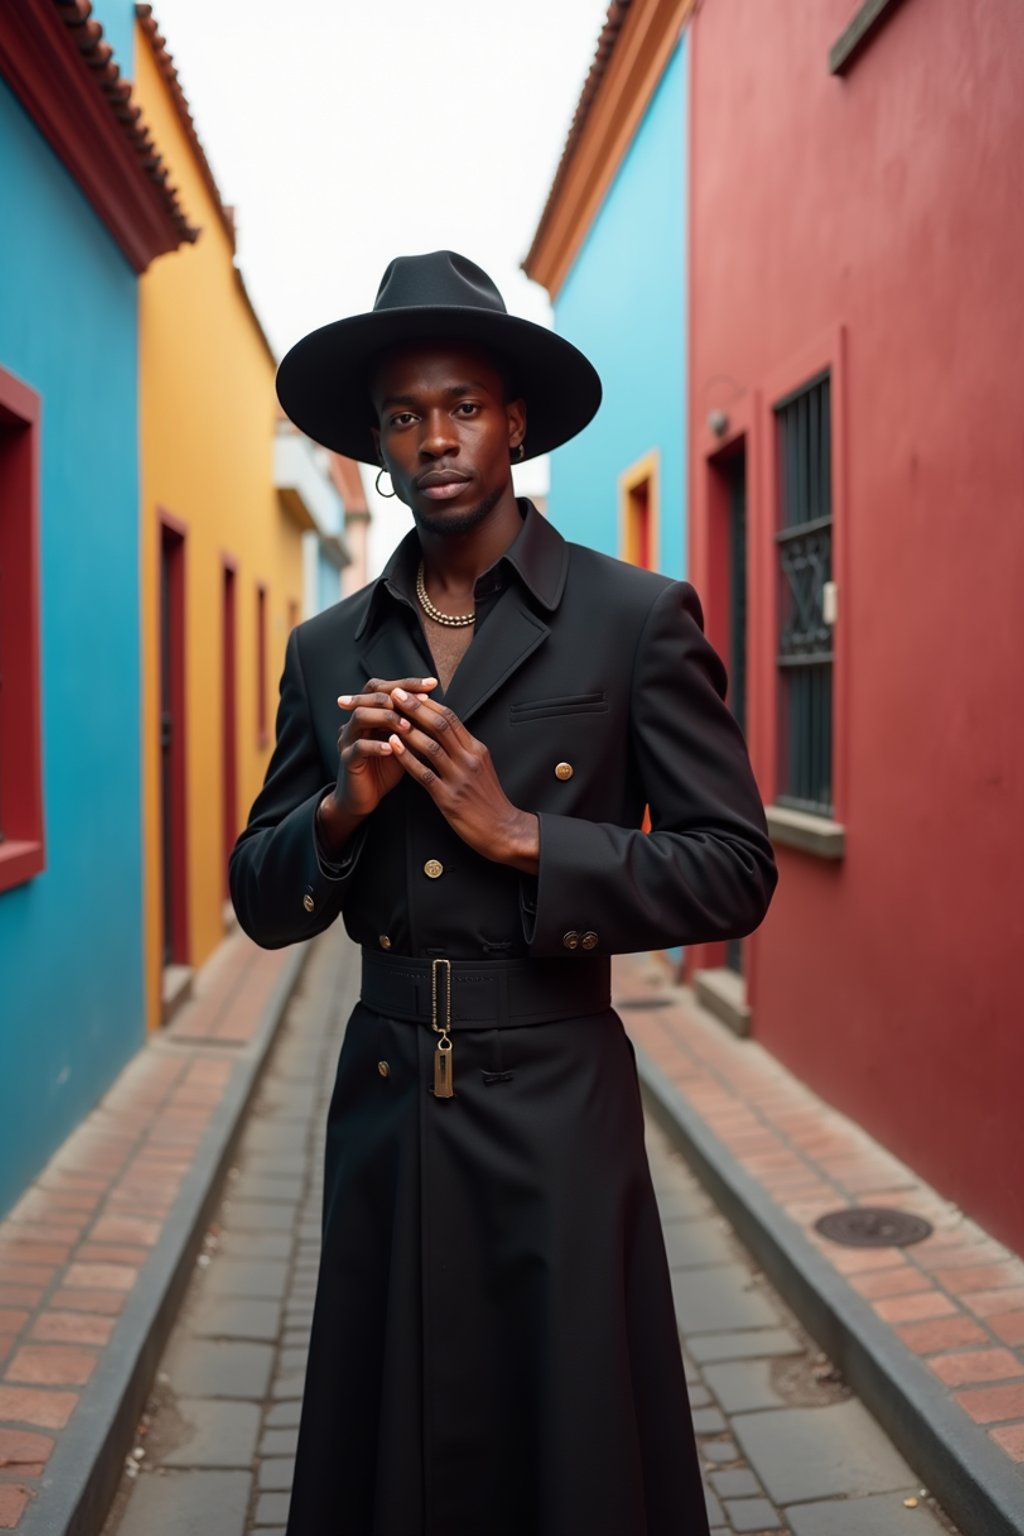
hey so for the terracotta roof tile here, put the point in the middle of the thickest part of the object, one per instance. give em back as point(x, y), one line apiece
point(606, 42)
point(165, 64)
point(87, 36)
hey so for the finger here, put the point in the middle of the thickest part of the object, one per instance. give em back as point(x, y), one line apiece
point(379, 692)
point(430, 749)
point(359, 753)
point(436, 718)
point(414, 766)
point(412, 684)
point(366, 719)
point(434, 724)
point(350, 701)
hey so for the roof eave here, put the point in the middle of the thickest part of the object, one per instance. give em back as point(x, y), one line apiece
point(167, 69)
point(633, 50)
point(54, 58)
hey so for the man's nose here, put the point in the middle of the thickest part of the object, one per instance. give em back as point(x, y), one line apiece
point(438, 436)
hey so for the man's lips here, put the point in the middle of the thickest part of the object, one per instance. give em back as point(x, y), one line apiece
point(441, 484)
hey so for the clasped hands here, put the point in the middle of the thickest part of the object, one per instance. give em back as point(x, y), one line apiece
point(395, 729)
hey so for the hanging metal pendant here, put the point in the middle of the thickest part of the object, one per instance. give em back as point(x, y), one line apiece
point(441, 968)
point(443, 1087)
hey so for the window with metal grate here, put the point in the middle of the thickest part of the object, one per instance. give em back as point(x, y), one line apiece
point(804, 543)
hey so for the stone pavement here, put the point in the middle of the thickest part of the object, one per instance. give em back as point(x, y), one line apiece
point(785, 1446)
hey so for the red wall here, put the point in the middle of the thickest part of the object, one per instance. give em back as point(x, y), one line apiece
point(876, 222)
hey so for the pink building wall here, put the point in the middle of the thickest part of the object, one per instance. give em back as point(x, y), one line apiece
point(874, 223)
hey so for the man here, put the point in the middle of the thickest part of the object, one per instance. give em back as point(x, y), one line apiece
point(493, 1349)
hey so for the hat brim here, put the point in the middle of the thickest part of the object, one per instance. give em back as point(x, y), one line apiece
point(323, 381)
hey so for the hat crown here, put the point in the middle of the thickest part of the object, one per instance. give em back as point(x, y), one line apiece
point(444, 298)
point(437, 280)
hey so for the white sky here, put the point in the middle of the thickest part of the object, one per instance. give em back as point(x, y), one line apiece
point(346, 134)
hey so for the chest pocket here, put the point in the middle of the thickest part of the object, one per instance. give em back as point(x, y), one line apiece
point(567, 704)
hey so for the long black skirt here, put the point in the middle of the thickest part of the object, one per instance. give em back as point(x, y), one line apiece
point(494, 1350)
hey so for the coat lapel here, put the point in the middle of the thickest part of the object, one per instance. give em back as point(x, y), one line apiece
point(512, 633)
point(391, 652)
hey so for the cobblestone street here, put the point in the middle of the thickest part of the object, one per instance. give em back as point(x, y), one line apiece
point(784, 1445)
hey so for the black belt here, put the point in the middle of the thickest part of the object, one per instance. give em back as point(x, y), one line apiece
point(485, 993)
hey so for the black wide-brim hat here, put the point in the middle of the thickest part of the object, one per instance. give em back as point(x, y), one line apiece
point(323, 382)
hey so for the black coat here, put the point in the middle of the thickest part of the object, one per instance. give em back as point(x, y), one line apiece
point(494, 1349)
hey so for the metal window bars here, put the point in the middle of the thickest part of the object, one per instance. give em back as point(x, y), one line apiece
point(804, 543)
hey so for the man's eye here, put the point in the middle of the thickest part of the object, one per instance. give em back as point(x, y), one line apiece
point(468, 407)
point(401, 419)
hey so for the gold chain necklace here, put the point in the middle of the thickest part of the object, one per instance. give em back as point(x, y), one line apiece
point(452, 620)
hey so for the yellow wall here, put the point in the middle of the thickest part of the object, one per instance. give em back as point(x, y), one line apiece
point(207, 409)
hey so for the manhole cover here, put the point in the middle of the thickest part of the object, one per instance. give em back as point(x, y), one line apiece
point(873, 1226)
point(645, 1002)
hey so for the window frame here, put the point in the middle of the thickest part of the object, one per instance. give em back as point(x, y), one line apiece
point(788, 533)
point(645, 470)
point(173, 535)
point(23, 846)
point(819, 835)
point(229, 654)
point(262, 620)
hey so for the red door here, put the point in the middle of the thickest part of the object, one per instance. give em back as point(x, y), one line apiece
point(229, 719)
point(172, 743)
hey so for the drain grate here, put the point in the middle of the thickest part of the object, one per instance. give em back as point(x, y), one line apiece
point(644, 1002)
point(873, 1226)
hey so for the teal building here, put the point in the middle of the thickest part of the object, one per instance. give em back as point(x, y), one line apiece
point(617, 277)
point(82, 212)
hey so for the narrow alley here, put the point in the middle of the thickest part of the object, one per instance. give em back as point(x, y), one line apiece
point(784, 1445)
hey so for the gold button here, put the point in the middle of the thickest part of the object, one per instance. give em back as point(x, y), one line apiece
point(307, 902)
point(589, 940)
point(564, 771)
point(383, 1069)
point(384, 941)
point(571, 940)
point(433, 868)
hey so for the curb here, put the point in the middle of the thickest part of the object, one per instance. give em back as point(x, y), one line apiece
point(82, 1476)
point(970, 1477)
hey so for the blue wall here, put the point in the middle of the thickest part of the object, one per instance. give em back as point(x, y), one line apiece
point(71, 995)
point(623, 304)
point(117, 18)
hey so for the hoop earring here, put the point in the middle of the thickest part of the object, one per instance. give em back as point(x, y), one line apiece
point(387, 494)
point(518, 454)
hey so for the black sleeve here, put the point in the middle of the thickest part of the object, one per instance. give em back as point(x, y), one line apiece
point(282, 888)
point(706, 870)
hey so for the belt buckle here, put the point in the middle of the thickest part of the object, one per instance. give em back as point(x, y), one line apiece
point(435, 971)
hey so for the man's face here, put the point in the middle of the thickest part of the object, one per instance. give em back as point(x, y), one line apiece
point(446, 432)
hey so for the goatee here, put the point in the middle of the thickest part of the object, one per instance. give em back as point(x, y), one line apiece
point(459, 522)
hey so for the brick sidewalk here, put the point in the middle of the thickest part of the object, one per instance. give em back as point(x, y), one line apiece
point(77, 1250)
point(954, 1302)
point(215, 1449)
